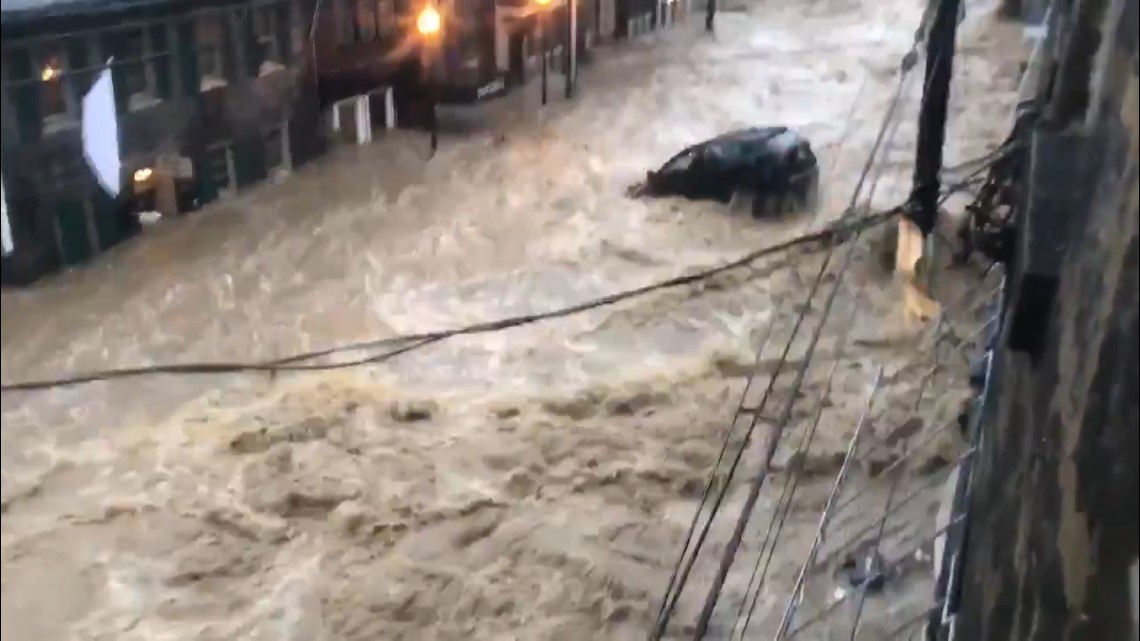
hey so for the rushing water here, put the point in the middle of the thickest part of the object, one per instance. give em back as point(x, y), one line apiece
point(312, 507)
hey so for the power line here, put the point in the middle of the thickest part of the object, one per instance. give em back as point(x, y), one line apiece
point(885, 132)
point(411, 342)
point(836, 232)
point(833, 506)
point(823, 614)
point(863, 589)
point(788, 493)
point(825, 517)
point(685, 561)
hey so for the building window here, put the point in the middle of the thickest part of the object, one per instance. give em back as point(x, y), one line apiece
point(53, 94)
point(220, 166)
point(140, 66)
point(275, 150)
point(386, 18)
point(267, 31)
point(211, 40)
point(42, 87)
point(345, 18)
point(366, 30)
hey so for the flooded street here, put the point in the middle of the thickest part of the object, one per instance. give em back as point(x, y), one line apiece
point(530, 484)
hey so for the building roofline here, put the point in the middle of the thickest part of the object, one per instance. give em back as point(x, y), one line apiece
point(21, 13)
point(31, 10)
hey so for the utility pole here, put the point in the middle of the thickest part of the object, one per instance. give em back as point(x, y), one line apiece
point(914, 256)
point(572, 53)
point(544, 47)
point(429, 24)
point(927, 185)
point(710, 15)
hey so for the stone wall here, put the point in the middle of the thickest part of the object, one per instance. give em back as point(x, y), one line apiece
point(1053, 535)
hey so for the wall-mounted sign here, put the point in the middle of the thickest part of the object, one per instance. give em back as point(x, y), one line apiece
point(491, 88)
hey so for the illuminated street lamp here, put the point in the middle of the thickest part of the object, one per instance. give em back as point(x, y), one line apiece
point(543, 5)
point(429, 25)
point(429, 22)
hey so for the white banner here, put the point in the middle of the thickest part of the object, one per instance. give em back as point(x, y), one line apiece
point(7, 228)
point(101, 133)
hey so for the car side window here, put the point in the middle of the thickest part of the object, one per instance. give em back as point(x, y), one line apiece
point(681, 162)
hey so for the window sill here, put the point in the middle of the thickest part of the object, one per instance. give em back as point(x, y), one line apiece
point(55, 124)
point(269, 68)
point(209, 83)
point(140, 102)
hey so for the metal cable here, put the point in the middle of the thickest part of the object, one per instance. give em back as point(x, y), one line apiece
point(890, 498)
point(663, 621)
point(666, 613)
point(789, 489)
point(665, 599)
point(787, 495)
point(825, 517)
point(824, 613)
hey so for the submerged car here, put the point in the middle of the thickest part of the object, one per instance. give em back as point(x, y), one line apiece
point(773, 166)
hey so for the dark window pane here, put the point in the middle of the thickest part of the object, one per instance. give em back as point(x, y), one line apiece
point(273, 150)
point(25, 96)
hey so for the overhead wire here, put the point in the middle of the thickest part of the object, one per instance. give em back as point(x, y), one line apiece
point(734, 542)
point(824, 613)
point(856, 538)
point(787, 496)
point(833, 495)
point(923, 387)
point(687, 559)
point(729, 554)
point(415, 341)
point(833, 507)
point(410, 342)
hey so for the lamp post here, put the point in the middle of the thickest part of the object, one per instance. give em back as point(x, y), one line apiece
point(429, 26)
point(543, 5)
point(572, 51)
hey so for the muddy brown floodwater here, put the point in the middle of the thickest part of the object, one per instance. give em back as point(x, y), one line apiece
point(531, 484)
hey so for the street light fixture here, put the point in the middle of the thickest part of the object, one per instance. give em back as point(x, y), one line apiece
point(429, 22)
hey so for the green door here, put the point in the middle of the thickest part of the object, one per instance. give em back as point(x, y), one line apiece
point(74, 239)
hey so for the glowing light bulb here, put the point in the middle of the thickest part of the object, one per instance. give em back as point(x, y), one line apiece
point(49, 73)
point(142, 174)
point(428, 22)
